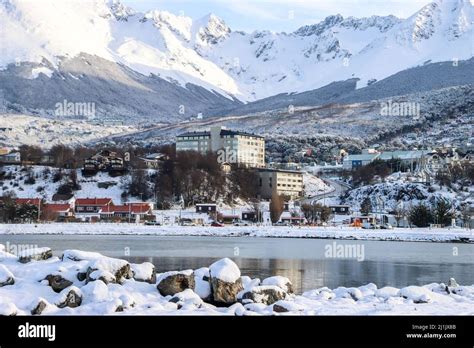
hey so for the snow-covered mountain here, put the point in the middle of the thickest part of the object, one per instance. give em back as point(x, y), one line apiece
point(207, 53)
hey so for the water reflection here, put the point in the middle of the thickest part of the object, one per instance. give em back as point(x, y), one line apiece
point(311, 274)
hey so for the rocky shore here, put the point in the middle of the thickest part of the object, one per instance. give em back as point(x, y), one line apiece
point(87, 283)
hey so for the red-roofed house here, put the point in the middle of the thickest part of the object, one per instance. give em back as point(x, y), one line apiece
point(88, 208)
point(129, 211)
point(61, 212)
point(91, 205)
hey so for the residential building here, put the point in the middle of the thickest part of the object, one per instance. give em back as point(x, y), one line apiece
point(129, 211)
point(206, 208)
point(91, 205)
point(11, 158)
point(241, 148)
point(154, 160)
point(355, 161)
point(104, 161)
point(410, 159)
point(282, 182)
point(58, 212)
point(340, 209)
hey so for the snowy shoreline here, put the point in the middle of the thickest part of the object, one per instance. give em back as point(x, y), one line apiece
point(455, 235)
point(88, 283)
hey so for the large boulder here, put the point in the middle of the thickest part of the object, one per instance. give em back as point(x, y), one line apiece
point(57, 282)
point(282, 282)
point(105, 276)
point(171, 283)
point(6, 277)
point(266, 294)
point(120, 269)
point(39, 306)
point(144, 272)
point(35, 254)
point(225, 281)
point(70, 297)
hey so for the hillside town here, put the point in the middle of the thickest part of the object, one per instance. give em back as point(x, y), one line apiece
point(220, 177)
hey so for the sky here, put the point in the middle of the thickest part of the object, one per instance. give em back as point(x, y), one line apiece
point(278, 15)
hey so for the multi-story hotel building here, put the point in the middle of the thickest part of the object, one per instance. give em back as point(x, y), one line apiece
point(282, 182)
point(231, 146)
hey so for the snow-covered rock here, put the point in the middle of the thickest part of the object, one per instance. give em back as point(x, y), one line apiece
point(144, 272)
point(225, 270)
point(120, 269)
point(39, 306)
point(283, 306)
point(225, 281)
point(95, 291)
point(35, 254)
point(202, 285)
point(8, 309)
point(69, 297)
point(57, 282)
point(417, 294)
point(387, 292)
point(170, 283)
point(6, 277)
point(267, 294)
point(100, 274)
point(282, 282)
point(78, 255)
point(186, 299)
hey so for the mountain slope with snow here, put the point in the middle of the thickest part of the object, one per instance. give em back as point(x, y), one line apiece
point(207, 53)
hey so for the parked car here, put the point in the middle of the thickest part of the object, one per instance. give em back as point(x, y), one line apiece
point(152, 223)
point(280, 223)
point(240, 223)
point(216, 224)
point(370, 226)
point(386, 227)
point(187, 222)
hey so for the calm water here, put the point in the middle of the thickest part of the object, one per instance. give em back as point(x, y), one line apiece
point(302, 260)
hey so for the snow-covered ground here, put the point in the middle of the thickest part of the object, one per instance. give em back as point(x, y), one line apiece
point(86, 283)
point(44, 186)
point(29, 130)
point(341, 232)
point(314, 186)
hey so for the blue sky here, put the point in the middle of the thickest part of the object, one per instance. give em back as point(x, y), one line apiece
point(279, 15)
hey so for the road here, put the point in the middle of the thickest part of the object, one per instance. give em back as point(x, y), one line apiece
point(338, 189)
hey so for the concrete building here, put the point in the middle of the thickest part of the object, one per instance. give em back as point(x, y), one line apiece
point(231, 146)
point(409, 159)
point(283, 182)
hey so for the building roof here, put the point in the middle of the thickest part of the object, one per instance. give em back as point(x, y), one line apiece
point(194, 134)
point(134, 209)
point(363, 157)
point(32, 201)
point(280, 170)
point(403, 155)
point(57, 208)
point(93, 201)
point(223, 132)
